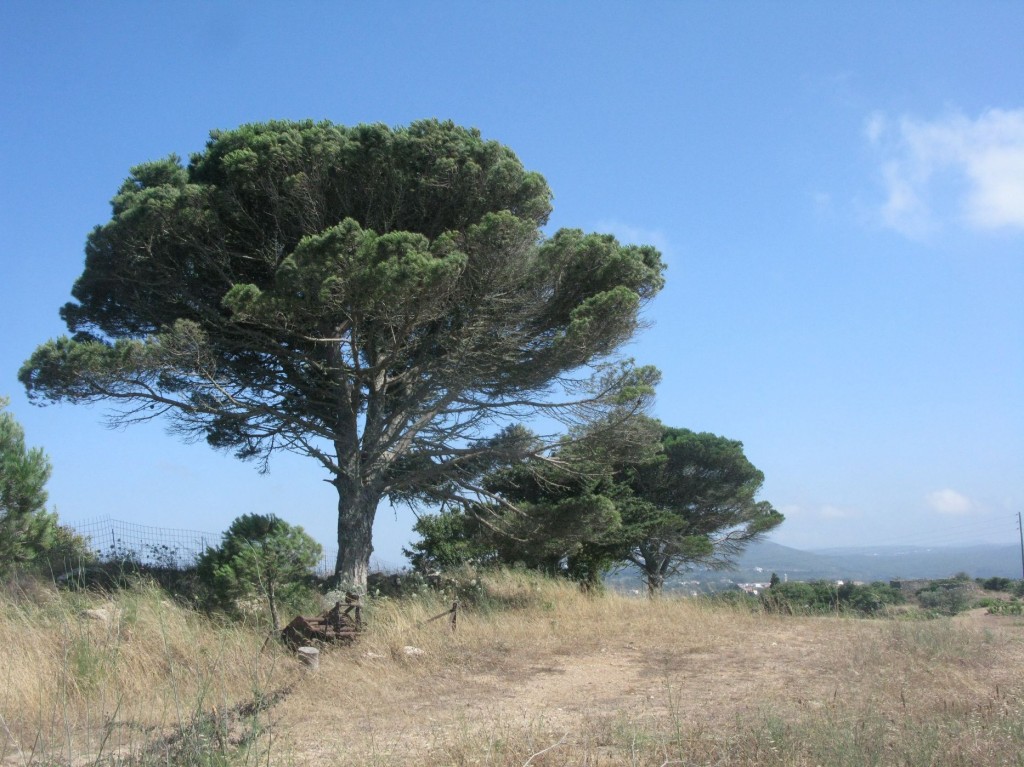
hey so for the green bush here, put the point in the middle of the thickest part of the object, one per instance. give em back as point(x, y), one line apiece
point(801, 597)
point(448, 540)
point(869, 600)
point(260, 556)
point(996, 584)
point(825, 597)
point(946, 597)
point(67, 550)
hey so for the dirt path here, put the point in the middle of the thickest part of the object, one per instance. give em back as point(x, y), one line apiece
point(791, 665)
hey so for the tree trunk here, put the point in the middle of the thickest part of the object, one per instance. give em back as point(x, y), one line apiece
point(655, 569)
point(357, 508)
point(655, 580)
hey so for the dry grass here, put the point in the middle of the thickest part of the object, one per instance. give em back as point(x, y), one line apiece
point(616, 680)
point(88, 679)
point(536, 674)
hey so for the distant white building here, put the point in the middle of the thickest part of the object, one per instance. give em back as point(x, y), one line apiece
point(754, 588)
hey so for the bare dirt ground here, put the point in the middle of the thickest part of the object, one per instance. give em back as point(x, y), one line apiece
point(464, 707)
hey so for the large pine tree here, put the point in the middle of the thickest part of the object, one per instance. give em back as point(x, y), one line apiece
point(382, 300)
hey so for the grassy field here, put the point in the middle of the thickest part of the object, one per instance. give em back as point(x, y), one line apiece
point(536, 674)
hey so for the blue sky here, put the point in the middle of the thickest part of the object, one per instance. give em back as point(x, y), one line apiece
point(837, 188)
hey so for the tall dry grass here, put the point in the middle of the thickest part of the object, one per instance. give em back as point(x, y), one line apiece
point(536, 674)
point(129, 677)
point(563, 678)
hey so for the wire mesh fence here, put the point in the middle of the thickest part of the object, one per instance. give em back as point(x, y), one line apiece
point(325, 566)
point(117, 540)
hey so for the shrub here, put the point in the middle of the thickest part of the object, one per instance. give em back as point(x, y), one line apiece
point(1006, 608)
point(824, 597)
point(996, 584)
point(800, 597)
point(262, 556)
point(447, 540)
point(946, 597)
point(868, 600)
point(67, 550)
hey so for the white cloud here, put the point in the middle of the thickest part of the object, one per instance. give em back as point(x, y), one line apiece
point(949, 502)
point(875, 127)
point(825, 511)
point(791, 510)
point(835, 512)
point(970, 170)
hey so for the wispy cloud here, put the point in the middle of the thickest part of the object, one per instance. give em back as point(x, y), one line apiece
point(825, 511)
point(835, 512)
point(949, 502)
point(954, 167)
point(791, 510)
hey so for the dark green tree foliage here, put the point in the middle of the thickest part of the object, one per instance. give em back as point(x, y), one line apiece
point(696, 503)
point(447, 540)
point(556, 516)
point(552, 534)
point(633, 491)
point(561, 513)
point(259, 555)
point(27, 529)
point(382, 300)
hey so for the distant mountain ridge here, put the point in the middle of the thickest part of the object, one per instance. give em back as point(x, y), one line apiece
point(882, 562)
point(858, 563)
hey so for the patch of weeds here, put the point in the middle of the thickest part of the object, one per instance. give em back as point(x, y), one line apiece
point(1005, 608)
point(936, 641)
point(215, 738)
point(762, 741)
point(87, 663)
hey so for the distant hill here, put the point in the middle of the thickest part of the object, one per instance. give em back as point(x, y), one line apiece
point(862, 563)
point(881, 562)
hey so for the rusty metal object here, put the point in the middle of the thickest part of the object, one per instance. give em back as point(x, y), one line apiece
point(342, 623)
